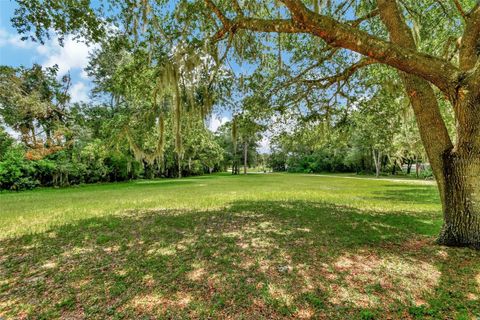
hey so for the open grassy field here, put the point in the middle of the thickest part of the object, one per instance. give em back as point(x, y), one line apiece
point(243, 247)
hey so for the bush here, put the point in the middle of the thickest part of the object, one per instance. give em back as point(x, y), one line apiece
point(16, 173)
point(277, 161)
point(44, 171)
point(426, 173)
point(324, 160)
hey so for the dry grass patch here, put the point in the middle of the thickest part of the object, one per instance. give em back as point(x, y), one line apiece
point(370, 280)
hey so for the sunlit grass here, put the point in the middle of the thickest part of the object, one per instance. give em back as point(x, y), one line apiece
point(222, 246)
point(40, 209)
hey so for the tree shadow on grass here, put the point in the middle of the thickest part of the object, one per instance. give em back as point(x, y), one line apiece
point(260, 259)
point(408, 193)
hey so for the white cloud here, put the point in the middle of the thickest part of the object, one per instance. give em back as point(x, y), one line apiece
point(10, 39)
point(264, 145)
point(72, 56)
point(216, 122)
point(79, 92)
point(43, 50)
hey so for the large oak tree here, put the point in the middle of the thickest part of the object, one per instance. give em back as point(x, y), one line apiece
point(456, 164)
point(456, 74)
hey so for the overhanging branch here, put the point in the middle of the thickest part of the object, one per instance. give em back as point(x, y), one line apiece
point(326, 82)
point(337, 34)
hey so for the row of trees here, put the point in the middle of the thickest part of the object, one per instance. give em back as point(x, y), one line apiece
point(137, 134)
point(62, 144)
point(374, 134)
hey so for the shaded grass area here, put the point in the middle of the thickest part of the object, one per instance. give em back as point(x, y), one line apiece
point(290, 246)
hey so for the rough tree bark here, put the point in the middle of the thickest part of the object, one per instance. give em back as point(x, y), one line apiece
point(461, 200)
point(457, 173)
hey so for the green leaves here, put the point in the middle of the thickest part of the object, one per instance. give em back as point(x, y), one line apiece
point(35, 19)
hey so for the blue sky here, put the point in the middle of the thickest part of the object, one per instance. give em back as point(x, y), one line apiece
point(72, 57)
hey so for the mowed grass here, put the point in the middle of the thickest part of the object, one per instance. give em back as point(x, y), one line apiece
point(261, 246)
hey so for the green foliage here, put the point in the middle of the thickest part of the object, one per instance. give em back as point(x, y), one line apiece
point(367, 315)
point(277, 161)
point(376, 131)
point(16, 173)
point(426, 173)
point(44, 170)
point(33, 102)
point(163, 74)
point(236, 135)
point(6, 142)
point(63, 16)
point(325, 159)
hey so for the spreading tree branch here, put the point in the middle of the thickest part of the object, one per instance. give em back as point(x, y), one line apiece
point(237, 8)
point(326, 82)
point(470, 44)
point(433, 69)
point(433, 130)
point(371, 14)
point(459, 8)
point(337, 34)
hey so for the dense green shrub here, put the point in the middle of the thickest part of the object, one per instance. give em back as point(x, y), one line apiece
point(44, 169)
point(426, 173)
point(17, 173)
point(277, 161)
point(324, 160)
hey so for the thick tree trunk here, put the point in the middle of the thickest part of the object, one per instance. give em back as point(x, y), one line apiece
point(394, 169)
point(461, 201)
point(384, 162)
point(457, 170)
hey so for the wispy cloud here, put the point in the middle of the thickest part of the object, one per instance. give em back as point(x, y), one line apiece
point(72, 56)
point(13, 39)
point(216, 122)
point(79, 92)
point(264, 145)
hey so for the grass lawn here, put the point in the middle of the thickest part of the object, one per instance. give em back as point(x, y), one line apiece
point(244, 247)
